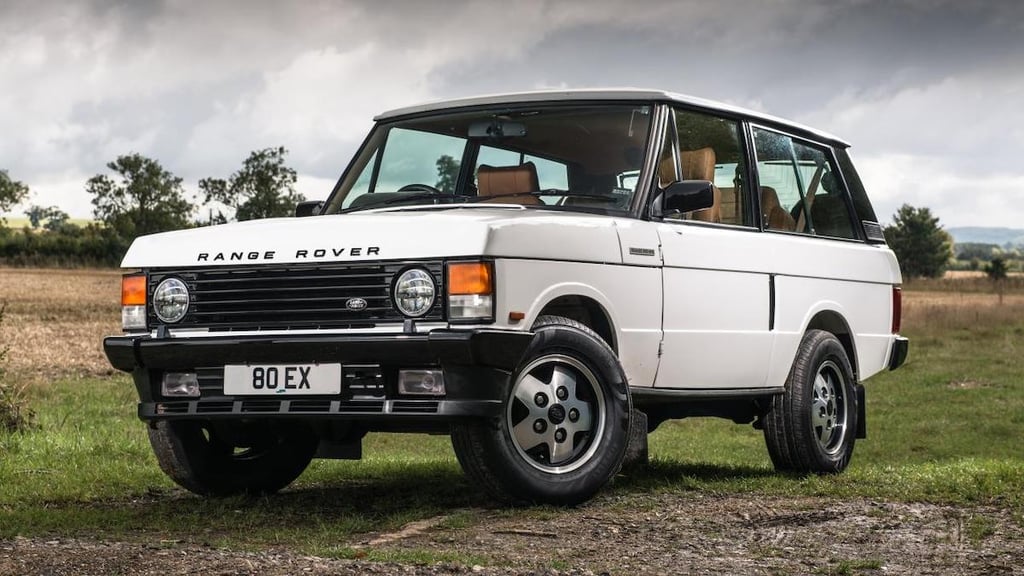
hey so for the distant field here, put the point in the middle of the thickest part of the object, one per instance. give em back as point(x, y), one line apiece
point(16, 223)
point(55, 321)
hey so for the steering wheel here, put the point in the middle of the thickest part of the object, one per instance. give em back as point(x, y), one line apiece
point(420, 188)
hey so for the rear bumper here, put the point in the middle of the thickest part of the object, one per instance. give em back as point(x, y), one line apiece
point(476, 366)
point(898, 353)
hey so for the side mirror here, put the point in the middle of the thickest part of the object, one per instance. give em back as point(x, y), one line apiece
point(308, 208)
point(687, 196)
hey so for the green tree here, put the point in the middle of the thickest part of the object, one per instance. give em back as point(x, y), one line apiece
point(447, 174)
point(996, 271)
point(50, 217)
point(263, 188)
point(921, 245)
point(12, 192)
point(144, 199)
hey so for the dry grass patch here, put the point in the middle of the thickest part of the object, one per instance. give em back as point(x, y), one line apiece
point(56, 320)
point(928, 311)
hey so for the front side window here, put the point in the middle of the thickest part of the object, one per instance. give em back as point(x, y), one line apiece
point(549, 157)
point(800, 190)
point(709, 149)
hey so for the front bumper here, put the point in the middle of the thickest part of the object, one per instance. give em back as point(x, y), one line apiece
point(476, 365)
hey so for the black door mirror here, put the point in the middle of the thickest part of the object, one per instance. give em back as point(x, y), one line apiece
point(687, 196)
point(308, 208)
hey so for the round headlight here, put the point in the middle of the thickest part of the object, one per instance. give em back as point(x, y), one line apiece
point(414, 292)
point(170, 300)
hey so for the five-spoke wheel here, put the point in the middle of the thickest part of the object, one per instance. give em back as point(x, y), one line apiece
point(564, 429)
point(556, 409)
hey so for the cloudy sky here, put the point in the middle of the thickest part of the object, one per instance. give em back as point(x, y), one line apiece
point(929, 92)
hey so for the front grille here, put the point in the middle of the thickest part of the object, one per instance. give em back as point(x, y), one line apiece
point(293, 297)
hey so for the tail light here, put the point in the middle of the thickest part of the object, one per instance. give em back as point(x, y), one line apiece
point(897, 309)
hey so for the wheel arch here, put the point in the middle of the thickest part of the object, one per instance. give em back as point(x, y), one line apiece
point(584, 309)
point(833, 322)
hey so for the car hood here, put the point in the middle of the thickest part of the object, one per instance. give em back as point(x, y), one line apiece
point(391, 234)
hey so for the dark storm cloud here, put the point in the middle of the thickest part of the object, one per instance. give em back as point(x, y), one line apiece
point(200, 84)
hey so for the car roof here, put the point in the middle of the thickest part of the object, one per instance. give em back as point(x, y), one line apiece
point(606, 94)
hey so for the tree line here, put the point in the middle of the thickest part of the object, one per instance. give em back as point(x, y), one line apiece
point(137, 197)
point(142, 197)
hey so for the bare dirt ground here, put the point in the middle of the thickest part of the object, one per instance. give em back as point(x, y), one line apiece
point(687, 533)
point(665, 534)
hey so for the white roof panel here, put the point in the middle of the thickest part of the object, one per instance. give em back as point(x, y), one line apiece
point(599, 94)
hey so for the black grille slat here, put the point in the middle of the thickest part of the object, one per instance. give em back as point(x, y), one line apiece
point(284, 311)
point(293, 297)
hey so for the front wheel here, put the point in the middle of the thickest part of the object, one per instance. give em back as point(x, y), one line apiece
point(811, 428)
point(218, 459)
point(565, 425)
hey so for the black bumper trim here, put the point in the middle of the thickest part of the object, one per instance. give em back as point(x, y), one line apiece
point(349, 409)
point(898, 354)
point(483, 347)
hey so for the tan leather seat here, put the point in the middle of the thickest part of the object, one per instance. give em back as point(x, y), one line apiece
point(730, 206)
point(700, 165)
point(775, 216)
point(498, 180)
point(696, 165)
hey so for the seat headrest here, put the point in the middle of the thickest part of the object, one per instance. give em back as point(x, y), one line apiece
point(494, 180)
point(698, 164)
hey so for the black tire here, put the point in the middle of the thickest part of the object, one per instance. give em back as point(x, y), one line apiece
point(812, 427)
point(498, 456)
point(228, 459)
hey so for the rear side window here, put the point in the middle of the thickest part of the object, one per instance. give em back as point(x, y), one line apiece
point(800, 188)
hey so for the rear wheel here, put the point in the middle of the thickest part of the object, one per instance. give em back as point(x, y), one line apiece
point(223, 460)
point(811, 428)
point(565, 425)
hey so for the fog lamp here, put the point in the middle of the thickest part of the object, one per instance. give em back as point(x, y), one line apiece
point(180, 384)
point(421, 382)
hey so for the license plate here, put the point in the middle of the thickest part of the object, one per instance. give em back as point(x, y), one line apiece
point(282, 379)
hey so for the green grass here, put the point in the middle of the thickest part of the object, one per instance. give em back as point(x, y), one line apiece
point(945, 428)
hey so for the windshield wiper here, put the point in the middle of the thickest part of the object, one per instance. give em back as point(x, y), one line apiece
point(401, 199)
point(549, 192)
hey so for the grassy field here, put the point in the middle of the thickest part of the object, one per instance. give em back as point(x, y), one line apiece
point(945, 428)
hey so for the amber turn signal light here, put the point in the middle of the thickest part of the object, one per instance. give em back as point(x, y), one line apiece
point(133, 290)
point(470, 278)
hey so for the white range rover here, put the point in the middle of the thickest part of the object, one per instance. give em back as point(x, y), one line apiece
point(545, 276)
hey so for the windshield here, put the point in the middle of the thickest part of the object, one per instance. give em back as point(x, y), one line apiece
point(583, 158)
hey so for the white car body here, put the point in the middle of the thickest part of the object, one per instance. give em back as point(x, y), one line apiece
point(623, 258)
point(681, 341)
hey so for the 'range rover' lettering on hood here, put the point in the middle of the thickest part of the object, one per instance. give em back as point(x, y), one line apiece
point(385, 235)
point(302, 254)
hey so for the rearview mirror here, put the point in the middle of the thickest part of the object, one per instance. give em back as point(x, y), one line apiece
point(496, 129)
point(687, 196)
point(308, 208)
